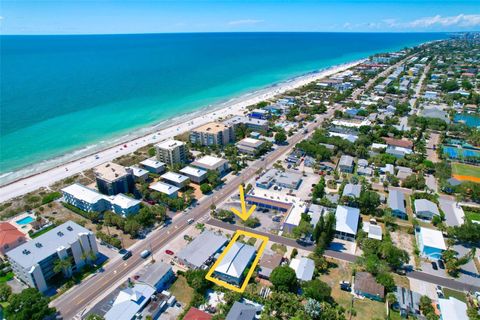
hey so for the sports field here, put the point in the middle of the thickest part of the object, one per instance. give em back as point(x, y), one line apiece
point(466, 172)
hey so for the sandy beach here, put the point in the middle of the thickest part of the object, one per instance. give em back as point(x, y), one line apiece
point(51, 171)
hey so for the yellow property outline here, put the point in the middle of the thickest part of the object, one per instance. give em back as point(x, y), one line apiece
point(224, 284)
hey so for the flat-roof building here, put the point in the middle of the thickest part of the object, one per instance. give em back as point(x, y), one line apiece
point(165, 188)
point(211, 163)
point(158, 275)
point(346, 223)
point(113, 179)
point(452, 309)
point(171, 152)
point(235, 262)
point(139, 174)
point(250, 146)
point(201, 250)
point(33, 262)
point(195, 174)
point(287, 179)
point(251, 123)
point(176, 179)
point(212, 133)
point(153, 165)
point(124, 205)
point(430, 243)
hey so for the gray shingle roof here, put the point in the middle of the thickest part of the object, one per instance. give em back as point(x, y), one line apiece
point(396, 200)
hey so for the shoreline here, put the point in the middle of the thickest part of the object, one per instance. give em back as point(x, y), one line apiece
point(48, 172)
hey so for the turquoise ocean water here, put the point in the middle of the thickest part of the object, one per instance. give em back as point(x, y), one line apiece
point(63, 93)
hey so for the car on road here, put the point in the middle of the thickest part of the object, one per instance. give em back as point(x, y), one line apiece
point(169, 252)
point(434, 265)
point(145, 253)
point(190, 221)
point(127, 255)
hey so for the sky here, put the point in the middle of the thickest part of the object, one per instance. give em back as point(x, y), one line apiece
point(136, 16)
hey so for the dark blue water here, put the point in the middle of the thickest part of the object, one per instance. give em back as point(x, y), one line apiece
point(60, 93)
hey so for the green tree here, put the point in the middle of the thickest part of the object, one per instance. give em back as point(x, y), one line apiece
point(284, 278)
point(280, 137)
point(281, 306)
point(368, 202)
point(63, 265)
point(196, 280)
point(317, 289)
point(205, 188)
point(5, 292)
point(28, 304)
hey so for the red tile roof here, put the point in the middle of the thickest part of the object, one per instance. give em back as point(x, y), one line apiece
point(8, 233)
point(195, 314)
point(398, 142)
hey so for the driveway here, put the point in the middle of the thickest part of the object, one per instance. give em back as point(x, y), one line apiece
point(431, 182)
point(468, 272)
point(424, 288)
point(454, 214)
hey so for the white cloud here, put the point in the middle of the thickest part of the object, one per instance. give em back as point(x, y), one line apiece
point(244, 22)
point(461, 20)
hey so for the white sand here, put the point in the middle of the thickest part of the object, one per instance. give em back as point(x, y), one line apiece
point(51, 175)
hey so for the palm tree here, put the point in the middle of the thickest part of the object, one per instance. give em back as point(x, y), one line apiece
point(63, 265)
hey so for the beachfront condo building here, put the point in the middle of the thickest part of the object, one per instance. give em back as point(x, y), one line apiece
point(33, 262)
point(113, 179)
point(212, 133)
point(171, 152)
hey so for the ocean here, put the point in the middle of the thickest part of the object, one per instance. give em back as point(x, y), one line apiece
point(60, 94)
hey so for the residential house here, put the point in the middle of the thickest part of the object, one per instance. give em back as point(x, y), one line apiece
point(238, 258)
point(346, 223)
point(452, 309)
point(396, 202)
point(304, 268)
point(346, 164)
point(129, 302)
point(268, 262)
point(367, 286)
point(243, 311)
point(430, 243)
point(158, 275)
point(352, 190)
point(407, 302)
point(195, 314)
point(425, 209)
point(10, 237)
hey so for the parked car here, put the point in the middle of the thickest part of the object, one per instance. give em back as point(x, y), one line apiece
point(127, 255)
point(441, 265)
point(145, 253)
point(345, 286)
point(434, 265)
point(169, 252)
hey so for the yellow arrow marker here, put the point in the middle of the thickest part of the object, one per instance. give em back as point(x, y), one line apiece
point(244, 214)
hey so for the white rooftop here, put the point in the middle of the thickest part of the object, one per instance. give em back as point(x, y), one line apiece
point(153, 163)
point(123, 201)
point(432, 238)
point(164, 188)
point(374, 231)
point(195, 172)
point(304, 268)
point(169, 144)
point(138, 172)
point(175, 177)
point(83, 193)
point(295, 215)
point(130, 301)
point(236, 260)
point(453, 309)
point(347, 219)
point(209, 161)
point(426, 205)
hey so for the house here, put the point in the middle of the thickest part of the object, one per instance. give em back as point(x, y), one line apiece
point(158, 275)
point(304, 268)
point(363, 168)
point(365, 285)
point(169, 190)
point(425, 209)
point(403, 173)
point(430, 243)
point(129, 302)
point(10, 237)
point(138, 174)
point(374, 231)
point(430, 95)
point(408, 302)
point(171, 152)
point(113, 179)
point(33, 262)
point(238, 258)
point(152, 165)
point(398, 147)
point(352, 190)
point(268, 262)
point(346, 164)
point(212, 163)
point(346, 223)
point(176, 179)
point(196, 175)
point(201, 250)
point(243, 311)
point(250, 146)
point(213, 133)
point(195, 314)
point(452, 309)
point(124, 205)
point(396, 202)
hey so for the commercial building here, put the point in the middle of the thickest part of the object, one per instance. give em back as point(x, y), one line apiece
point(238, 258)
point(365, 285)
point(196, 175)
point(346, 223)
point(171, 152)
point(452, 309)
point(287, 179)
point(158, 275)
point(396, 202)
point(430, 243)
point(33, 262)
point(176, 179)
point(250, 146)
point(346, 164)
point(153, 165)
point(425, 209)
point(212, 133)
point(10, 237)
point(113, 179)
point(202, 250)
point(294, 217)
point(303, 267)
point(212, 163)
point(168, 189)
point(129, 302)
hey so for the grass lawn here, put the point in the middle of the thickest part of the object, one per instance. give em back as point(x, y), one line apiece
point(456, 294)
point(33, 236)
point(472, 215)
point(465, 170)
point(6, 277)
point(181, 290)
point(394, 315)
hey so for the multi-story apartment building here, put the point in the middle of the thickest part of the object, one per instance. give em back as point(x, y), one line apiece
point(212, 133)
point(171, 152)
point(33, 262)
point(113, 179)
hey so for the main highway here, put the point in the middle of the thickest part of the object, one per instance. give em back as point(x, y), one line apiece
point(75, 302)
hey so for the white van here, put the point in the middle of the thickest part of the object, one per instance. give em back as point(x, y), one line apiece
point(145, 253)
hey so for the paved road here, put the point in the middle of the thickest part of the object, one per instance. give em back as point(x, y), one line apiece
point(77, 300)
point(449, 283)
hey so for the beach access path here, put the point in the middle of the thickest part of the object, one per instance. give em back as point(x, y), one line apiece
point(76, 302)
point(50, 176)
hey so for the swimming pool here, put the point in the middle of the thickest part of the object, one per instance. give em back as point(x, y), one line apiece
point(25, 220)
